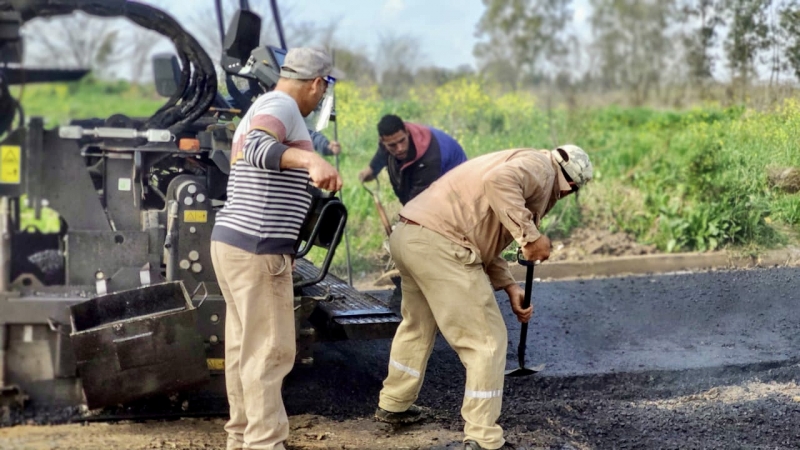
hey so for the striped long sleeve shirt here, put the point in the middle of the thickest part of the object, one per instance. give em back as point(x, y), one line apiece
point(266, 205)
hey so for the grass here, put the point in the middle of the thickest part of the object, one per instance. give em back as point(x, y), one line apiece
point(690, 180)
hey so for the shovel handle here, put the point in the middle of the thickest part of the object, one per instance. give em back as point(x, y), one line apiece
point(526, 302)
point(528, 284)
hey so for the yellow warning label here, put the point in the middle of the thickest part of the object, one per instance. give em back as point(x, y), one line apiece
point(10, 164)
point(195, 216)
point(216, 363)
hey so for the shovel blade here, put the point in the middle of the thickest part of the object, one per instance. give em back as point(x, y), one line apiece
point(525, 371)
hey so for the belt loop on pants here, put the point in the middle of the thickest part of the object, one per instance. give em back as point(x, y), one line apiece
point(410, 222)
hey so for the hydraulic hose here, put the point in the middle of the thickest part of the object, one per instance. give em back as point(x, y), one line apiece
point(198, 87)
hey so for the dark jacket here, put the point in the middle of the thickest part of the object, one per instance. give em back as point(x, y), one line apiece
point(431, 154)
point(320, 142)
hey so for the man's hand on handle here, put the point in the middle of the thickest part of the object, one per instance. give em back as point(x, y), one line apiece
point(366, 175)
point(516, 295)
point(335, 147)
point(323, 175)
point(538, 250)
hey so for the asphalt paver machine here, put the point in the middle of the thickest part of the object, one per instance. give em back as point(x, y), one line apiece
point(121, 303)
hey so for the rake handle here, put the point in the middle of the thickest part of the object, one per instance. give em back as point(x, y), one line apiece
point(387, 227)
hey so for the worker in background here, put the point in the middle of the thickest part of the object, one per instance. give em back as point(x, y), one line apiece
point(415, 156)
point(252, 248)
point(447, 248)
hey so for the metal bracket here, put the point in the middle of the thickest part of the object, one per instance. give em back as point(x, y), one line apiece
point(56, 326)
point(205, 296)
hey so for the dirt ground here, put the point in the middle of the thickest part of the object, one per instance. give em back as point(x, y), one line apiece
point(760, 411)
point(307, 432)
point(587, 244)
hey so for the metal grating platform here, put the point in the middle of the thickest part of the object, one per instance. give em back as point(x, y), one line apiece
point(347, 313)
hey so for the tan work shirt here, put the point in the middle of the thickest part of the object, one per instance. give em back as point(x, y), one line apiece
point(487, 202)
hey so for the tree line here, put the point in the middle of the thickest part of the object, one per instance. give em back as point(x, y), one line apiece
point(645, 48)
point(636, 51)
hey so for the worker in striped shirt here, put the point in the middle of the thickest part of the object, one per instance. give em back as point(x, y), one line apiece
point(253, 241)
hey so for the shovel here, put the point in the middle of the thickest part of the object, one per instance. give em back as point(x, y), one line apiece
point(523, 371)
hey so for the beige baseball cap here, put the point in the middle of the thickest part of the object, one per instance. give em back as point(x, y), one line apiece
point(307, 63)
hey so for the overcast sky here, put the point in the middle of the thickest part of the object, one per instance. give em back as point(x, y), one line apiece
point(445, 28)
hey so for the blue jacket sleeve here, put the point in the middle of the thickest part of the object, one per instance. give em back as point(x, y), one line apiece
point(451, 152)
point(320, 142)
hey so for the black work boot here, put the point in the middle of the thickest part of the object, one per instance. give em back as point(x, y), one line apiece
point(472, 445)
point(411, 415)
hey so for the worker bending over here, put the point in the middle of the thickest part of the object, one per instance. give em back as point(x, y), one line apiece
point(447, 248)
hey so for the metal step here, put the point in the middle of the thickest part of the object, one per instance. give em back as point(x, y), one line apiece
point(346, 313)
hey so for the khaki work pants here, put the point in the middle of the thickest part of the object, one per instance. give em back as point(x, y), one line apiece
point(444, 285)
point(259, 343)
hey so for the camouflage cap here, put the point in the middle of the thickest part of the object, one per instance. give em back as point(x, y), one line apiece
point(577, 165)
point(306, 63)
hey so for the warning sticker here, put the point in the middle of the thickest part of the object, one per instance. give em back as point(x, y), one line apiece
point(10, 164)
point(195, 216)
point(215, 363)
